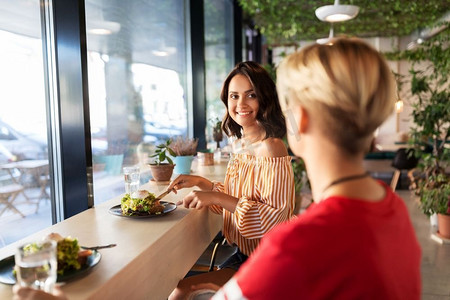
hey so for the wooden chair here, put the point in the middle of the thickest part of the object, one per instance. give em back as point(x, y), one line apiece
point(8, 194)
point(404, 159)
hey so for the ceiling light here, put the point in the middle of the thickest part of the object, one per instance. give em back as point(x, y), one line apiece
point(336, 12)
point(399, 106)
point(328, 40)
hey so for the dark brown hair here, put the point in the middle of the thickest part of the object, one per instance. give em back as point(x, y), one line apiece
point(269, 114)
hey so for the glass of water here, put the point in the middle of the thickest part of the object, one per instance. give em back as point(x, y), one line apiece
point(36, 265)
point(132, 177)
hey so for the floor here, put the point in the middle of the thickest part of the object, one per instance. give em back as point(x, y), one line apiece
point(435, 256)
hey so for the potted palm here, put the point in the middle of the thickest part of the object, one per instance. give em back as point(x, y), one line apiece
point(184, 148)
point(162, 165)
point(431, 129)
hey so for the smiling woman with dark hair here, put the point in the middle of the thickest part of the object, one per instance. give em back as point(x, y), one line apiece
point(258, 191)
point(269, 116)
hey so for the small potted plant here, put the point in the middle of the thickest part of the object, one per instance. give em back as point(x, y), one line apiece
point(184, 148)
point(217, 132)
point(162, 165)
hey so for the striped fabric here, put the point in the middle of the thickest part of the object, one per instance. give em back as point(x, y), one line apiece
point(265, 188)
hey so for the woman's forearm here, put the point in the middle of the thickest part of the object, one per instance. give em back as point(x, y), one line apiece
point(204, 184)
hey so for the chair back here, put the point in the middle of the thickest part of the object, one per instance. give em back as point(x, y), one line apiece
point(405, 159)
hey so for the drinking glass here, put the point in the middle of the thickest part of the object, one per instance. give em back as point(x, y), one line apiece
point(132, 177)
point(36, 265)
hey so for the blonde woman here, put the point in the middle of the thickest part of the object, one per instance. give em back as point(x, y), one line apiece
point(356, 241)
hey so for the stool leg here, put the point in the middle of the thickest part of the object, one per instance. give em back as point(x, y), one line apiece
point(395, 178)
point(412, 181)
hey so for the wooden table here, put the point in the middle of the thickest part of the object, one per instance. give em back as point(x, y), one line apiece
point(151, 255)
point(38, 169)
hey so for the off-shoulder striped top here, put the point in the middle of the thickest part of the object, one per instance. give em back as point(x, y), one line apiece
point(265, 188)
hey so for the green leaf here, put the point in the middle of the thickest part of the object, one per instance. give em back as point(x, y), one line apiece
point(171, 152)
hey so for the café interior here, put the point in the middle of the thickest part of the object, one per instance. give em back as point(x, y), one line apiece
point(90, 87)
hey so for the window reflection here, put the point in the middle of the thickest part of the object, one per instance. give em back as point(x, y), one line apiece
point(137, 85)
point(24, 171)
point(219, 59)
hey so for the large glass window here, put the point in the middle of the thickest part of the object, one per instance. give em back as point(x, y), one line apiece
point(24, 167)
point(219, 58)
point(137, 84)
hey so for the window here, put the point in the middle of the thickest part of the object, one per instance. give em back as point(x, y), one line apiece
point(24, 167)
point(219, 58)
point(137, 85)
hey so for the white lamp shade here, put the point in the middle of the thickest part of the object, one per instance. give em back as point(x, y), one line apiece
point(336, 13)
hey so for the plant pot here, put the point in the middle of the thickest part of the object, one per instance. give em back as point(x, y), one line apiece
point(161, 172)
point(183, 164)
point(444, 225)
point(205, 157)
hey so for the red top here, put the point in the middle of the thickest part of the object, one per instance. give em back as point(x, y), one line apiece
point(338, 249)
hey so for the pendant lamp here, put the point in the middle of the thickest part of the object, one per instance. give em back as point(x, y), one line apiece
point(336, 12)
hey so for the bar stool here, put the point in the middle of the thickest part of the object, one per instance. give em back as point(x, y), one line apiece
point(217, 252)
point(8, 194)
point(404, 159)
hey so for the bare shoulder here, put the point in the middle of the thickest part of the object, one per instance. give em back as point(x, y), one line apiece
point(272, 147)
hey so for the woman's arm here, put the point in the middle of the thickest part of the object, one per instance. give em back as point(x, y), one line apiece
point(200, 199)
point(186, 181)
point(272, 200)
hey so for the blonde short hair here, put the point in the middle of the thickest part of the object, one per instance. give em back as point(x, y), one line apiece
point(347, 86)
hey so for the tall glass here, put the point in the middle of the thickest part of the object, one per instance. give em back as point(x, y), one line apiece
point(132, 178)
point(36, 265)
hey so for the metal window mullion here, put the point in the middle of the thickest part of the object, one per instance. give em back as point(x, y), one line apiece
point(52, 108)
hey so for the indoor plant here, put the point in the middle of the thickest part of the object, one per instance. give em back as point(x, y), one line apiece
point(431, 129)
point(300, 180)
point(184, 149)
point(217, 132)
point(162, 170)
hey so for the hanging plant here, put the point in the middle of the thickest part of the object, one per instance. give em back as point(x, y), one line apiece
point(287, 21)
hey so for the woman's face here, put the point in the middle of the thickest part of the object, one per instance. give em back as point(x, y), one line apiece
point(242, 102)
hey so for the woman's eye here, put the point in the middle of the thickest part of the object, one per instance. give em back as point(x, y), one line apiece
point(252, 95)
point(232, 96)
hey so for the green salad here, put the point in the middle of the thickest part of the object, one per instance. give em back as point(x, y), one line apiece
point(66, 253)
point(142, 202)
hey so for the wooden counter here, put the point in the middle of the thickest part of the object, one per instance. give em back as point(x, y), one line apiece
point(151, 255)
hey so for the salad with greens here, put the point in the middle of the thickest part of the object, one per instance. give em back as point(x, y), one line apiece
point(141, 202)
point(67, 252)
point(67, 255)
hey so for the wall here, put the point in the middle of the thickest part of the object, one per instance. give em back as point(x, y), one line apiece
point(397, 124)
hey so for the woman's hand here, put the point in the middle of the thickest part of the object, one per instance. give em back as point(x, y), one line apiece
point(205, 286)
point(25, 293)
point(200, 199)
point(187, 181)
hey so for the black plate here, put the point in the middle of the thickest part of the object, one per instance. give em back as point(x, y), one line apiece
point(168, 207)
point(7, 265)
